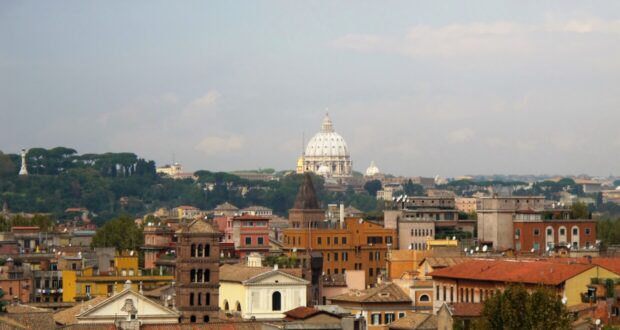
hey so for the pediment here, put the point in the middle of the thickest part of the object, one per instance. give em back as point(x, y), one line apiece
point(114, 305)
point(275, 277)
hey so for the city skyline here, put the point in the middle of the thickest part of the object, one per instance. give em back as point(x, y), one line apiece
point(419, 88)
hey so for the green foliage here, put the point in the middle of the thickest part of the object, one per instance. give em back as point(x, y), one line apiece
point(121, 233)
point(282, 261)
point(608, 231)
point(44, 222)
point(516, 309)
point(7, 167)
point(372, 187)
point(579, 210)
point(412, 189)
point(609, 287)
point(3, 303)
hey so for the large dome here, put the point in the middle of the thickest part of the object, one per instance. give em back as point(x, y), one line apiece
point(327, 148)
point(327, 143)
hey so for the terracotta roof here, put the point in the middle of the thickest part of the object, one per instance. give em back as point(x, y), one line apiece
point(8, 323)
point(68, 316)
point(206, 326)
point(201, 226)
point(31, 317)
point(156, 293)
point(415, 321)
point(306, 196)
point(241, 272)
point(440, 262)
point(385, 293)
point(226, 207)
point(512, 271)
point(300, 313)
point(466, 309)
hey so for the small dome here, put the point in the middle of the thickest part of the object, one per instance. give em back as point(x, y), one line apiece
point(372, 170)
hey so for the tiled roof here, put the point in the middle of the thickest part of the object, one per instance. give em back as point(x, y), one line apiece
point(440, 262)
point(68, 316)
point(8, 323)
point(31, 317)
point(466, 309)
point(416, 321)
point(205, 326)
point(385, 293)
point(201, 226)
point(226, 207)
point(89, 326)
point(512, 271)
point(301, 313)
point(241, 272)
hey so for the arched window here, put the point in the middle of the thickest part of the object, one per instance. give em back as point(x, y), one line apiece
point(424, 298)
point(192, 275)
point(193, 250)
point(276, 301)
point(199, 299)
point(208, 299)
point(207, 250)
point(191, 299)
point(207, 276)
point(226, 306)
point(238, 307)
point(199, 276)
point(192, 319)
point(200, 250)
point(205, 319)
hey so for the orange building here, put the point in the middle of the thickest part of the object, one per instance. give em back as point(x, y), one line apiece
point(355, 244)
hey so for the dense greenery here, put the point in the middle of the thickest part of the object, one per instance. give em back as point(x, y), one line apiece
point(42, 221)
point(516, 309)
point(608, 231)
point(121, 233)
point(112, 184)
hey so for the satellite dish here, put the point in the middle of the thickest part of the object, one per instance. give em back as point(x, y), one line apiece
point(477, 248)
point(548, 248)
point(465, 250)
point(532, 250)
point(454, 238)
point(131, 253)
point(598, 321)
point(485, 248)
point(471, 251)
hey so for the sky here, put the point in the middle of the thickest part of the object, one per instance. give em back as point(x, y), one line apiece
point(422, 88)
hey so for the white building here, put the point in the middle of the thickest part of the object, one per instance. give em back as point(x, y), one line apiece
point(327, 153)
point(260, 292)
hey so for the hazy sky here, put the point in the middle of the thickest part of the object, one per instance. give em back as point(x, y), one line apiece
point(422, 88)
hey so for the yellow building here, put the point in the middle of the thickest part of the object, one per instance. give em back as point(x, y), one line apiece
point(88, 282)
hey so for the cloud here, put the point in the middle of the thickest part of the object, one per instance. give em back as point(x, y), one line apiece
point(207, 101)
point(461, 135)
point(473, 40)
point(223, 146)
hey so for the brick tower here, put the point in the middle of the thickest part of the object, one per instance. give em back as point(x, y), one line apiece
point(197, 272)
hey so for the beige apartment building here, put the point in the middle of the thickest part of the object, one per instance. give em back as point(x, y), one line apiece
point(496, 215)
point(466, 204)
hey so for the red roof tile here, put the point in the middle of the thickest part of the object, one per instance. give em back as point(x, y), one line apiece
point(301, 313)
point(466, 309)
point(512, 271)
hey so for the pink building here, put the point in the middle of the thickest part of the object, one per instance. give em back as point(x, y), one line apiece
point(250, 234)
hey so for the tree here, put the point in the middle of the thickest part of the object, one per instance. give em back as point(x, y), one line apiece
point(372, 187)
point(579, 210)
point(516, 309)
point(412, 189)
point(121, 233)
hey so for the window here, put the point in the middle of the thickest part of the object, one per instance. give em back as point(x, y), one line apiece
point(549, 232)
point(276, 301)
point(335, 256)
point(536, 231)
point(411, 232)
point(451, 294)
point(444, 293)
point(199, 299)
point(200, 250)
point(389, 318)
point(335, 240)
point(261, 241)
point(388, 239)
point(437, 292)
point(376, 319)
point(377, 256)
point(370, 256)
point(193, 247)
point(426, 298)
point(207, 250)
point(248, 241)
point(329, 241)
point(191, 299)
point(335, 270)
point(207, 275)
point(192, 319)
point(536, 246)
point(345, 256)
point(401, 315)
point(575, 231)
point(370, 272)
point(344, 240)
point(205, 319)
point(208, 299)
point(319, 241)
point(562, 231)
point(587, 231)
point(517, 232)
